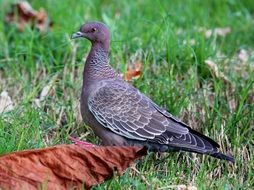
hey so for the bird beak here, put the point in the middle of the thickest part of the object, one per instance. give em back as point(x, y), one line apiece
point(77, 35)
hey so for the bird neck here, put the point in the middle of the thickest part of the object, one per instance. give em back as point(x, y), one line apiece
point(97, 64)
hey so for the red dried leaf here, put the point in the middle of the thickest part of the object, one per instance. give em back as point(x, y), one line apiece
point(65, 166)
point(22, 14)
point(130, 74)
point(133, 73)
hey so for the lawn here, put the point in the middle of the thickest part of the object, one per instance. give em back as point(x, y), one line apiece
point(197, 61)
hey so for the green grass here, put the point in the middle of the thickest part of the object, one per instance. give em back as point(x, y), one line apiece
point(160, 34)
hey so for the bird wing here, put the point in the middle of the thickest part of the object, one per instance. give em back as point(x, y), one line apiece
point(124, 110)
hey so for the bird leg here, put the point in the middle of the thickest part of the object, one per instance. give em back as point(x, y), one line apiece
point(80, 143)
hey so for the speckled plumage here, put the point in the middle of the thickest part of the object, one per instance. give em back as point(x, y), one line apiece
point(121, 115)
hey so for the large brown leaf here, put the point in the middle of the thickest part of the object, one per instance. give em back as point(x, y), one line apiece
point(65, 166)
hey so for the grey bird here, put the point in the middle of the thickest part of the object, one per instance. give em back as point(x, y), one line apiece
point(120, 115)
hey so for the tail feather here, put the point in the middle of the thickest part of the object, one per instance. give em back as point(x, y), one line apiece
point(222, 156)
point(215, 153)
point(211, 143)
point(192, 142)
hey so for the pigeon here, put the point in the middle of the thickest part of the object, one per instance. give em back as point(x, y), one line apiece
point(120, 115)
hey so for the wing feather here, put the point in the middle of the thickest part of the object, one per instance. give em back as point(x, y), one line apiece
point(125, 111)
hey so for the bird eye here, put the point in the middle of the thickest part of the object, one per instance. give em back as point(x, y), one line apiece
point(93, 29)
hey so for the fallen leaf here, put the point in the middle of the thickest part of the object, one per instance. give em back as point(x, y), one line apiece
point(23, 14)
point(179, 187)
point(242, 63)
point(222, 31)
point(232, 105)
point(134, 71)
point(65, 166)
point(179, 31)
point(37, 102)
point(45, 91)
point(132, 74)
point(189, 42)
point(215, 70)
point(191, 187)
point(6, 103)
point(77, 112)
point(217, 32)
point(242, 55)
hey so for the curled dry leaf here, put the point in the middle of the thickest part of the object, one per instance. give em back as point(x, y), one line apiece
point(6, 103)
point(133, 72)
point(215, 70)
point(65, 166)
point(22, 14)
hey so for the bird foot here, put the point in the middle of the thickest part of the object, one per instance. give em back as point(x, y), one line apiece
point(80, 143)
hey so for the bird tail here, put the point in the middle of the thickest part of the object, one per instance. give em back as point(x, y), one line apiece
point(216, 153)
point(200, 144)
point(222, 156)
point(211, 143)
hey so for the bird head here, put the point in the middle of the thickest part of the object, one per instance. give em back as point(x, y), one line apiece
point(96, 32)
